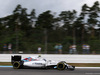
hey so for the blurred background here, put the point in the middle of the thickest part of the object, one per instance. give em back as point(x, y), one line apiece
point(51, 33)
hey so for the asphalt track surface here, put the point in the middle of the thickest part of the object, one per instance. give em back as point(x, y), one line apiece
point(11, 71)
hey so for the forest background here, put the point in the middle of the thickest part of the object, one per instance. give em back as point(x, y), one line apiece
point(26, 31)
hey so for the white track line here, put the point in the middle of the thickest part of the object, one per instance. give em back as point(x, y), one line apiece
point(87, 67)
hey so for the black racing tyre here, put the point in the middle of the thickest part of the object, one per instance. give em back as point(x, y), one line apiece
point(61, 66)
point(17, 65)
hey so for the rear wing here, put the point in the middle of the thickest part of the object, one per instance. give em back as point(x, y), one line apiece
point(15, 58)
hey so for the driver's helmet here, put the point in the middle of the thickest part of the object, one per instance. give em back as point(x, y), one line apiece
point(39, 56)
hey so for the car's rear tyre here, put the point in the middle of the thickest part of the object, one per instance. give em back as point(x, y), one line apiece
point(61, 66)
point(17, 65)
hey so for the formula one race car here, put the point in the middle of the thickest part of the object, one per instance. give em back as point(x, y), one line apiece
point(39, 62)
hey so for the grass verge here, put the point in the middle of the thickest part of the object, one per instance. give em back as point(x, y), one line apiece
point(5, 63)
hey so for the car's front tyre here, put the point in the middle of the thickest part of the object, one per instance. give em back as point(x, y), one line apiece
point(61, 66)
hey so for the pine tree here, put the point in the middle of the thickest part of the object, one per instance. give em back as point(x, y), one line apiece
point(93, 17)
point(83, 21)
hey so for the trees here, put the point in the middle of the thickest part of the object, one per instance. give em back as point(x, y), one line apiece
point(45, 22)
point(19, 27)
point(93, 17)
point(68, 19)
point(26, 31)
point(82, 23)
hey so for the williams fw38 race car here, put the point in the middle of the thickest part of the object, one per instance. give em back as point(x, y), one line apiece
point(39, 62)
